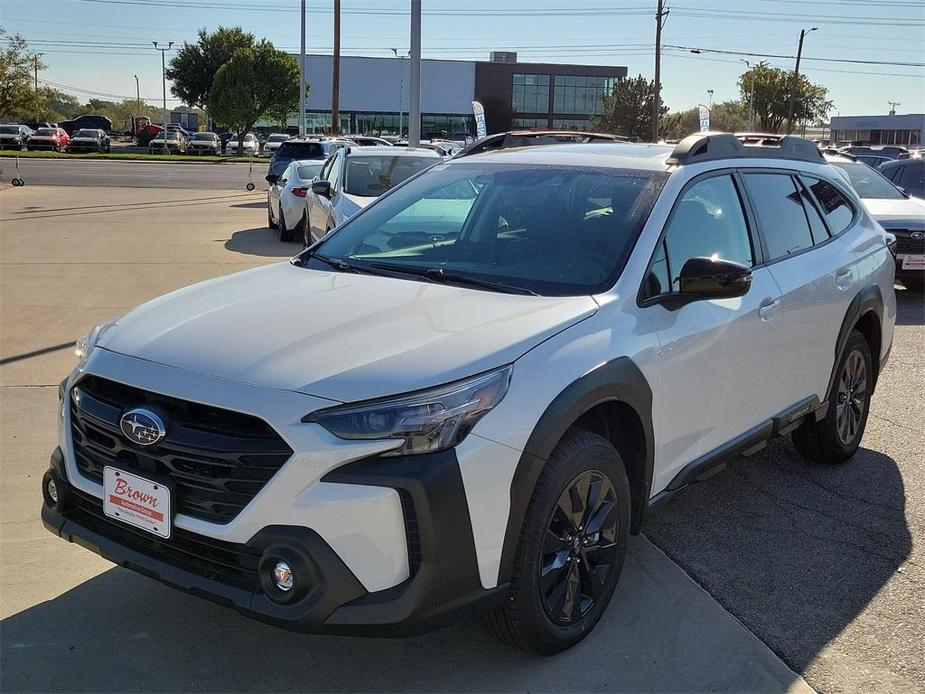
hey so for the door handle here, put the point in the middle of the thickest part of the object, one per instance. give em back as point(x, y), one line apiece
point(844, 279)
point(767, 309)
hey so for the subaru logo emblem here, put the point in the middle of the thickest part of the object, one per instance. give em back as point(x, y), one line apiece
point(918, 235)
point(142, 427)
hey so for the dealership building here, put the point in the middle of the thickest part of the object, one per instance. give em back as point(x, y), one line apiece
point(907, 129)
point(374, 95)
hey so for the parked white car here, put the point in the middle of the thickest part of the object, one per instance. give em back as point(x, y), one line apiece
point(353, 177)
point(471, 393)
point(251, 145)
point(272, 143)
point(286, 198)
point(899, 213)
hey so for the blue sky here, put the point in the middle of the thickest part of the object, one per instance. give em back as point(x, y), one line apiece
point(96, 46)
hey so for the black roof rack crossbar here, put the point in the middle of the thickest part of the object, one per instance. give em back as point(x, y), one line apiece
point(712, 146)
point(530, 138)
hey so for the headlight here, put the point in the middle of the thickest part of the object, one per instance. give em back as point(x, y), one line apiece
point(426, 422)
point(86, 344)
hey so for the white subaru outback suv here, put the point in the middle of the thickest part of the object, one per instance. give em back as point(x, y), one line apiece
point(470, 394)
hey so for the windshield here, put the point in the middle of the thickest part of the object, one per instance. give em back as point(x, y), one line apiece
point(867, 182)
point(548, 230)
point(371, 176)
point(46, 131)
point(87, 133)
point(277, 138)
point(309, 171)
point(204, 136)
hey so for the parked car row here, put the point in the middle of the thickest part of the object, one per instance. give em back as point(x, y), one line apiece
point(53, 138)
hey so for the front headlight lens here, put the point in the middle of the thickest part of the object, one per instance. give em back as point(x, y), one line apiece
point(426, 422)
point(86, 344)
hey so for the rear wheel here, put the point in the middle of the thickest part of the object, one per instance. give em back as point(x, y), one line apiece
point(835, 438)
point(282, 230)
point(571, 550)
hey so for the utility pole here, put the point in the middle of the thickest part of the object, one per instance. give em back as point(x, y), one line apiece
point(414, 105)
point(164, 81)
point(751, 91)
point(137, 95)
point(302, 76)
point(401, 89)
point(796, 77)
point(35, 67)
point(335, 76)
point(893, 105)
point(660, 16)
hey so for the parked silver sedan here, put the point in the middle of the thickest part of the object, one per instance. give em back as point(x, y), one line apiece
point(353, 177)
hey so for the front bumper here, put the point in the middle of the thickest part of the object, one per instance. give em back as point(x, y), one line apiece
point(328, 598)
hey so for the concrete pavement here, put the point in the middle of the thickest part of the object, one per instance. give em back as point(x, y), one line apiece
point(70, 621)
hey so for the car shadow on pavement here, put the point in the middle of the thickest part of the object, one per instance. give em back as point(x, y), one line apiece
point(260, 204)
point(793, 550)
point(263, 242)
point(910, 307)
point(120, 631)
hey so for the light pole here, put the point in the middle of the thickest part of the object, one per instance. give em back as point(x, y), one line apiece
point(401, 87)
point(751, 92)
point(164, 81)
point(710, 99)
point(414, 102)
point(137, 95)
point(893, 105)
point(796, 77)
point(302, 77)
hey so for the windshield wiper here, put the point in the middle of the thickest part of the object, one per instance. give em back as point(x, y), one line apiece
point(336, 263)
point(442, 276)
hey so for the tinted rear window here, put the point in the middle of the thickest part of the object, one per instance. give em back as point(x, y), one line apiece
point(9, 130)
point(46, 131)
point(300, 150)
point(781, 217)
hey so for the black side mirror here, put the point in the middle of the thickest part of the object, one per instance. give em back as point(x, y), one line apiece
point(322, 188)
point(272, 179)
point(706, 278)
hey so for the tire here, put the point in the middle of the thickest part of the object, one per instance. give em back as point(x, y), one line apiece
point(835, 438)
point(270, 222)
point(281, 231)
point(914, 284)
point(540, 617)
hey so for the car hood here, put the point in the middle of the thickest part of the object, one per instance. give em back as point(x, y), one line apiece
point(891, 213)
point(339, 336)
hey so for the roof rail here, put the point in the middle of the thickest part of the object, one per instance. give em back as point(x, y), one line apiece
point(530, 138)
point(711, 146)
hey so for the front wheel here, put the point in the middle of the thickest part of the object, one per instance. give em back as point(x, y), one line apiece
point(571, 549)
point(835, 438)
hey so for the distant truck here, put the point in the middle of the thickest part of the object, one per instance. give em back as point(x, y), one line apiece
point(88, 121)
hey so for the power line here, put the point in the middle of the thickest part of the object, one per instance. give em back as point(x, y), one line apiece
point(787, 57)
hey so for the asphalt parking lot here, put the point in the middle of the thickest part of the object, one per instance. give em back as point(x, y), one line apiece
point(769, 576)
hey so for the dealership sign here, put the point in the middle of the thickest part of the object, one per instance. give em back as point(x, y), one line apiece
point(479, 111)
point(704, 119)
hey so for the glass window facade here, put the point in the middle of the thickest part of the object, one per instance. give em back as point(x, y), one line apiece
point(376, 124)
point(530, 93)
point(572, 124)
point(528, 123)
point(581, 94)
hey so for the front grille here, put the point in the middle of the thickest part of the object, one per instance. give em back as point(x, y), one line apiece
point(905, 244)
point(222, 561)
point(217, 460)
point(412, 534)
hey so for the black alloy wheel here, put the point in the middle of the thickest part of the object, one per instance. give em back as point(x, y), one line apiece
point(579, 548)
point(851, 400)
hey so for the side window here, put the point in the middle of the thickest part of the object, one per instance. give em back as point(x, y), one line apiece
point(781, 215)
point(816, 226)
point(325, 174)
point(707, 221)
point(334, 174)
point(834, 205)
point(912, 176)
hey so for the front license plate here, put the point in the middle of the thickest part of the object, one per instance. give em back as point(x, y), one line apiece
point(137, 501)
point(914, 262)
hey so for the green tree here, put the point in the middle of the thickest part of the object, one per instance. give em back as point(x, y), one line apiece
point(628, 111)
point(727, 116)
point(60, 106)
point(255, 82)
point(18, 96)
point(192, 70)
point(772, 97)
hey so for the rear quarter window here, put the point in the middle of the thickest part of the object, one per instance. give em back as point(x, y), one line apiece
point(836, 209)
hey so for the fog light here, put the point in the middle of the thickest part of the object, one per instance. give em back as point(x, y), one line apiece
point(282, 576)
point(52, 490)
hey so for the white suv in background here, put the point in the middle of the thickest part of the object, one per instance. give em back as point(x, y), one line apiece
point(469, 394)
